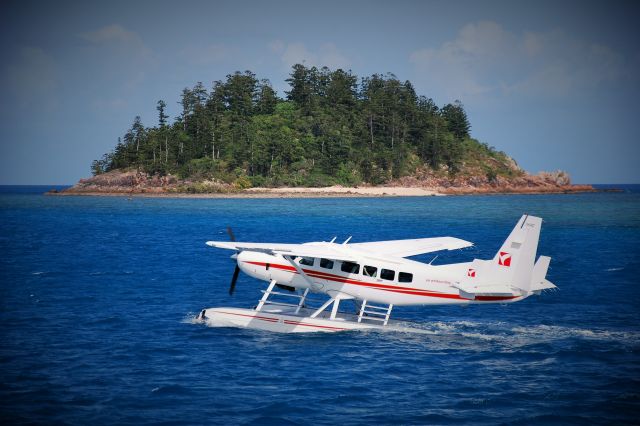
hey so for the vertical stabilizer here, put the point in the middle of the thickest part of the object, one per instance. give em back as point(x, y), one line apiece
point(513, 263)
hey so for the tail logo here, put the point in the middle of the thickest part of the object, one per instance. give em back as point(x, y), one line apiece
point(471, 273)
point(504, 259)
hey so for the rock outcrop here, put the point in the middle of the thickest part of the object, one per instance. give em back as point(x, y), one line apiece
point(469, 180)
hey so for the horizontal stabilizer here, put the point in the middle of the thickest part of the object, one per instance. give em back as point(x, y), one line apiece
point(539, 273)
point(546, 285)
point(485, 290)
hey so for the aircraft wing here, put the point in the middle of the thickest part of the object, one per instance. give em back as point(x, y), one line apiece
point(351, 252)
point(322, 250)
point(406, 248)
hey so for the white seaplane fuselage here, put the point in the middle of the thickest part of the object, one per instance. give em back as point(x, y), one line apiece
point(405, 282)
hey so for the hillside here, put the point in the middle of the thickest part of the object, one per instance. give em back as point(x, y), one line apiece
point(331, 129)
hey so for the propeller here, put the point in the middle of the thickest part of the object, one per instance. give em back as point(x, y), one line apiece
point(236, 272)
point(231, 236)
point(232, 287)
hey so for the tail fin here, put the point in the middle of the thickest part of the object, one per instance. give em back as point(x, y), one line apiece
point(514, 261)
point(512, 268)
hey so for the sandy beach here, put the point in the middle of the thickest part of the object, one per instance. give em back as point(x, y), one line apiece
point(286, 192)
point(325, 192)
point(373, 191)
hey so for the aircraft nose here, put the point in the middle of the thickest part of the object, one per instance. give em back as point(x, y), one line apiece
point(254, 264)
point(248, 262)
point(243, 256)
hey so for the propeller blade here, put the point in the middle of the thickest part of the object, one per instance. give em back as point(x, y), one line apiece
point(233, 280)
point(231, 236)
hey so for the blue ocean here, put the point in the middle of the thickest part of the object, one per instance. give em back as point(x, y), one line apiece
point(97, 296)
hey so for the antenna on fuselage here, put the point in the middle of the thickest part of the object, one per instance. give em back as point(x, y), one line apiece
point(334, 238)
point(347, 240)
point(433, 259)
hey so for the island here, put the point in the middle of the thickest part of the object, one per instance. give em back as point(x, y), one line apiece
point(334, 134)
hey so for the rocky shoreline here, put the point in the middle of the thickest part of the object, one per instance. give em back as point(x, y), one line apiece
point(132, 183)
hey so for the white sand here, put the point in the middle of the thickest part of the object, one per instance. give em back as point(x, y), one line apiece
point(375, 191)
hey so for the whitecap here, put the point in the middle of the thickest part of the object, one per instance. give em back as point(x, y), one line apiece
point(551, 332)
point(191, 318)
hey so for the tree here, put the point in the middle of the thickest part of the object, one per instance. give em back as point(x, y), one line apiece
point(162, 117)
point(302, 82)
point(457, 121)
point(137, 129)
point(329, 129)
point(162, 121)
point(342, 89)
point(267, 99)
point(97, 167)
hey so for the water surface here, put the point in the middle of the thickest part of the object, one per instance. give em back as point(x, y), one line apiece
point(97, 293)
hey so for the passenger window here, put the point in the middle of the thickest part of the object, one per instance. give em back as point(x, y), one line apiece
point(405, 277)
point(326, 263)
point(387, 274)
point(370, 271)
point(308, 261)
point(350, 267)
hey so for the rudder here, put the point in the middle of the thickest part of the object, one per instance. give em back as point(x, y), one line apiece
point(514, 262)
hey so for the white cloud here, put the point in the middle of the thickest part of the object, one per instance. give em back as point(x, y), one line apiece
point(117, 36)
point(485, 58)
point(297, 53)
point(31, 79)
point(119, 57)
point(331, 57)
point(276, 46)
point(112, 33)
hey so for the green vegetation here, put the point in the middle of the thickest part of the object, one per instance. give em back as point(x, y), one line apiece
point(331, 128)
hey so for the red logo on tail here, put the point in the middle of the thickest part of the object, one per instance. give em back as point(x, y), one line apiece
point(504, 258)
point(471, 273)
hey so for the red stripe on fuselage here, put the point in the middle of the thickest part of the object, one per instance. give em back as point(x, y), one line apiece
point(383, 287)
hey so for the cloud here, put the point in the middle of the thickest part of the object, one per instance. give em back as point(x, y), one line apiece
point(32, 78)
point(297, 53)
point(116, 36)
point(112, 33)
point(119, 57)
point(485, 58)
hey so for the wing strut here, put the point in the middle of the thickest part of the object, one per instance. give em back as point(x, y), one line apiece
point(291, 260)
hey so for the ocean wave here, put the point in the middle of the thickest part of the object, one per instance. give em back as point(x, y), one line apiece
point(475, 332)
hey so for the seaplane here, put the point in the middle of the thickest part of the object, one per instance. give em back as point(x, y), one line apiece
point(376, 277)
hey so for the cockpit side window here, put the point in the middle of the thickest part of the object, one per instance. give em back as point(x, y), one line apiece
point(350, 268)
point(308, 261)
point(370, 271)
point(326, 263)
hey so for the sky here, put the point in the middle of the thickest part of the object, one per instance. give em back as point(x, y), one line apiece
point(554, 84)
